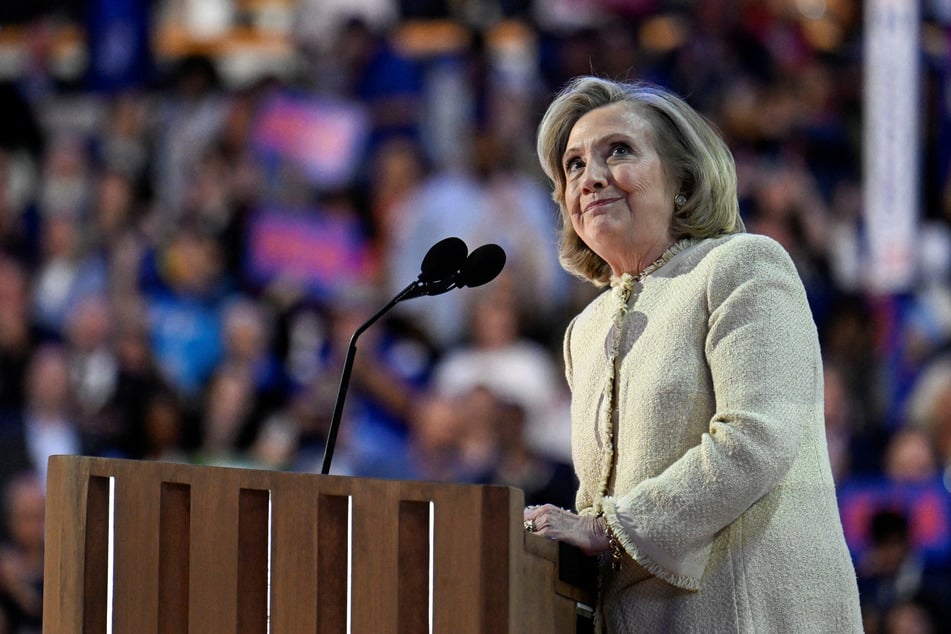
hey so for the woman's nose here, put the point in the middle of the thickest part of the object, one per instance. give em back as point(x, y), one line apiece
point(595, 176)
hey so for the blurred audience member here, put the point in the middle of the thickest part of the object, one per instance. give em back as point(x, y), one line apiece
point(94, 369)
point(67, 271)
point(18, 337)
point(908, 617)
point(188, 115)
point(47, 423)
point(380, 77)
point(910, 457)
point(891, 575)
point(840, 422)
point(138, 380)
point(65, 186)
point(164, 428)
point(295, 436)
point(123, 149)
point(399, 169)
point(277, 443)
point(114, 209)
point(479, 438)
point(247, 341)
point(929, 408)
point(910, 485)
point(543, 479)
point(228, 419)
point(500, 357)
point(184, 309)
point(18, 216)
point(21, 555)
point(434, 448)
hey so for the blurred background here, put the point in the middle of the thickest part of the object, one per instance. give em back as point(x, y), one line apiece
point(200, 200)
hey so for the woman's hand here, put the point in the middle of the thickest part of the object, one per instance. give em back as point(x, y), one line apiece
point(587, 532)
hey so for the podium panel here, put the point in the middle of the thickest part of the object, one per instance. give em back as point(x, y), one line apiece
point(170, 548)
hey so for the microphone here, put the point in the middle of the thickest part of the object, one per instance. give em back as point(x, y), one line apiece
point(443, 258)
point(447, 265)
point(482, 266)
point(440, 264)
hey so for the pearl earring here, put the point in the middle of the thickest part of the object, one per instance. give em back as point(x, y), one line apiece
point(680, 201)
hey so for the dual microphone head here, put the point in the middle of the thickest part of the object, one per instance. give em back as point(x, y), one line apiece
point(448, 265)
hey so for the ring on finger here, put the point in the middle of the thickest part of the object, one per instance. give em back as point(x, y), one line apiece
point(530, 526)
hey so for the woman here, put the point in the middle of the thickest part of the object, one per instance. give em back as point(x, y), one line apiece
point(697, 408)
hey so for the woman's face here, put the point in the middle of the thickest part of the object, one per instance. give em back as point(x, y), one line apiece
point(617, 193)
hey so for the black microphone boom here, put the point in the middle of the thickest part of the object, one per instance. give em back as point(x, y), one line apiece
point(447, 265)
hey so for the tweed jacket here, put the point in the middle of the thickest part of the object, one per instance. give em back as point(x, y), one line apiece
point(721, 491)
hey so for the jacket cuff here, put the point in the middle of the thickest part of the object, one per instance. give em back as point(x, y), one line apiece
point(681, 574)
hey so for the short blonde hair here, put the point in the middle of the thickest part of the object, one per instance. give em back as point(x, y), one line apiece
point(694, 155)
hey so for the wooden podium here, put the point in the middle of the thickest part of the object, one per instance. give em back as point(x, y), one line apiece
point(212, 550)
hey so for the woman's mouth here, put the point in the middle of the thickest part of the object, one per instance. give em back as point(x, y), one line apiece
point(600, 203)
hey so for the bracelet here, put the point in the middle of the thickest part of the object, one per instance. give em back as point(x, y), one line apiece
point(617, 550)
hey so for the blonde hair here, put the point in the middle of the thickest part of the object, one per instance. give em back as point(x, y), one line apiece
point(695, 159)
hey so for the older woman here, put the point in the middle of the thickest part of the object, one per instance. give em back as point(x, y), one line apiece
point(697, 409)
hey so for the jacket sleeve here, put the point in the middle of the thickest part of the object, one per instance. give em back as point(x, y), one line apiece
point(762, 351)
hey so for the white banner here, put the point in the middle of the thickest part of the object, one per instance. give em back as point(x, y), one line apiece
point(891, 152)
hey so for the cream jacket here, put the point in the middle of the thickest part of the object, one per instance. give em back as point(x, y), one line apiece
point(721, 493)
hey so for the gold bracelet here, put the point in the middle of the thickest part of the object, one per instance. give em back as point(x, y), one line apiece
point(617, 550)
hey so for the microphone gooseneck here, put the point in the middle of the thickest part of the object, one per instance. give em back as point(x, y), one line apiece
point(447, 265)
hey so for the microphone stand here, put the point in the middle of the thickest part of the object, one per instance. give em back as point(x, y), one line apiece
point(413, 290)
point(446, 266)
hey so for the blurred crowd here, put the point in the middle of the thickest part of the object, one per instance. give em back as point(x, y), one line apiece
point(183, 259)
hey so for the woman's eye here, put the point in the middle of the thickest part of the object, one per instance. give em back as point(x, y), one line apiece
point(573, 164)
point(621, 149)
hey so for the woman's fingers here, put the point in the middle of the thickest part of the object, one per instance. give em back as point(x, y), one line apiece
point(548, 520)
